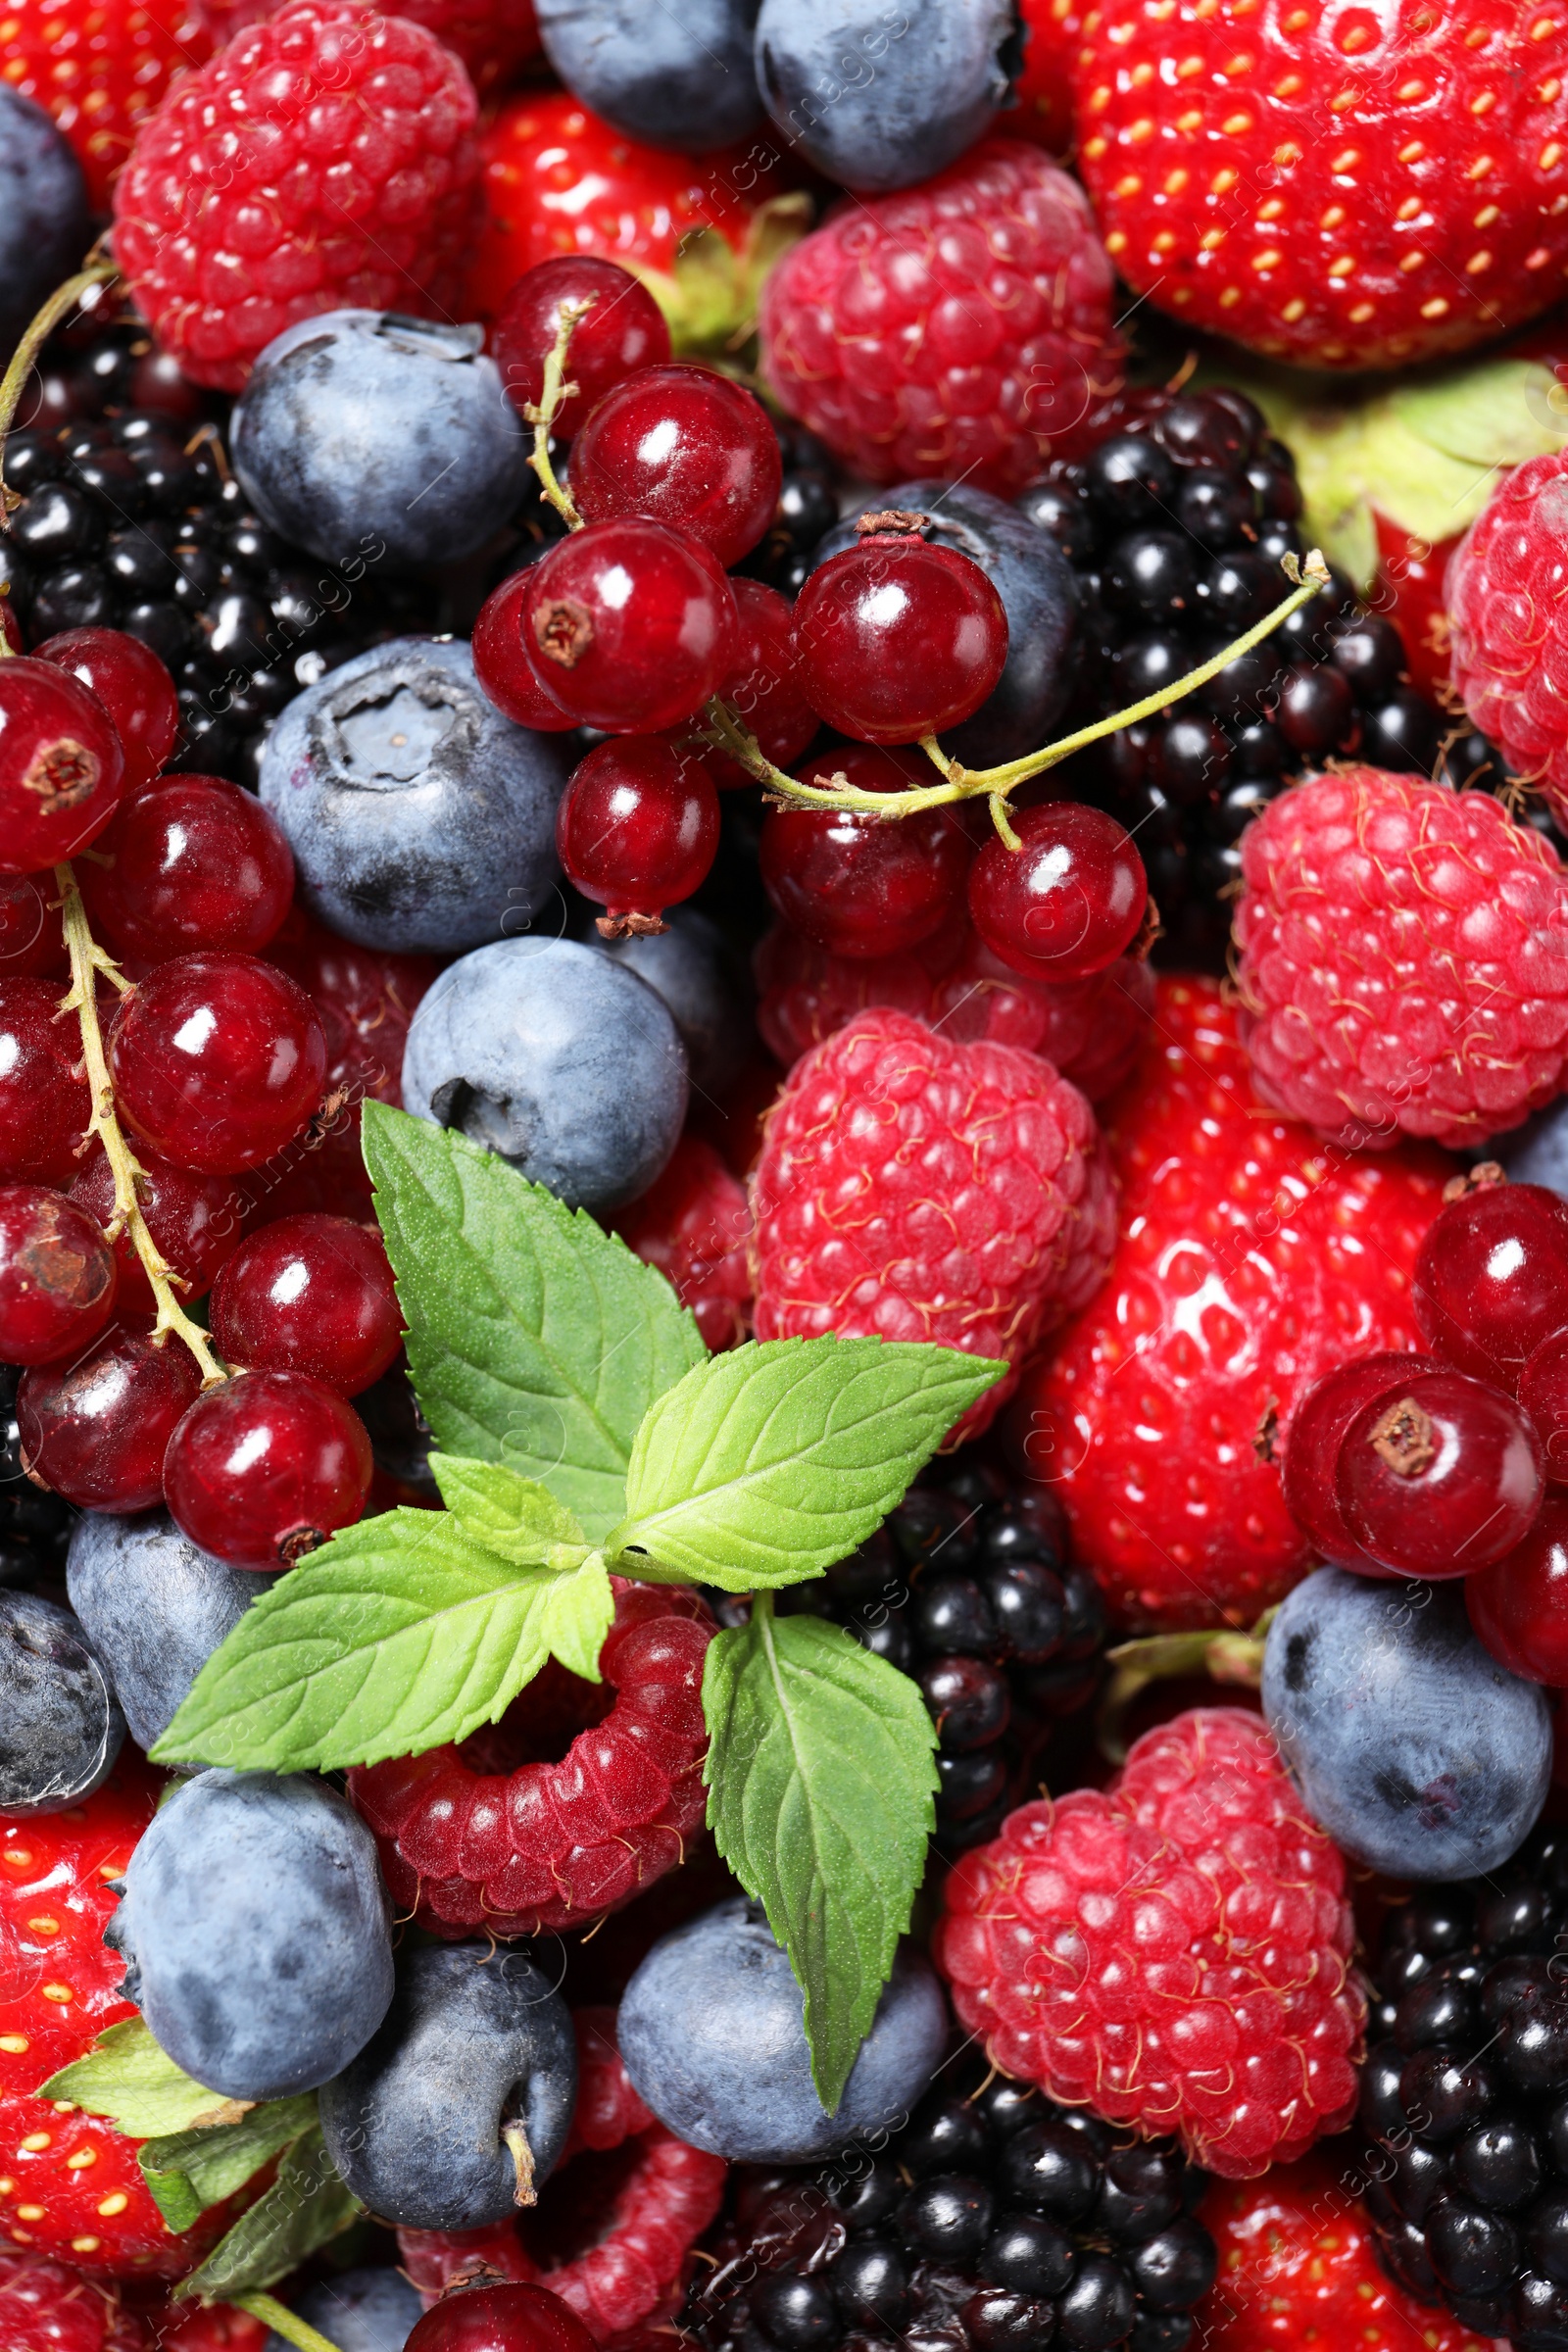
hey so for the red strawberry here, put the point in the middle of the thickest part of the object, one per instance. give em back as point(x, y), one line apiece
point(1054, 31)
point(1347, 187)
point(100, 69)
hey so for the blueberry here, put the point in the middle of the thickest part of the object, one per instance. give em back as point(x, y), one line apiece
point(155, 1607)
point(555, 1057)
point(462, 2099)
point(706, 988)
point(675, 77)
point(45, 226)
point(883, 103)
point(363, 435)
point(256, 1932)
point(1419, 1755)
point(358, 2311)
point(712, 2032)
point(59, 1727)
point(420, 818)
point(1538, 1153)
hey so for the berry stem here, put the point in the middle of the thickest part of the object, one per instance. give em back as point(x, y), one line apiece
point(284, 2322)
point(1225, 1657)
point(88, 960)
point(555, 390)
point(97, 270)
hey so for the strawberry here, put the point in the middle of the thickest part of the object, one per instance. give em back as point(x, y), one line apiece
point(101, 68)
point(1345, 187)
point(1042, 109)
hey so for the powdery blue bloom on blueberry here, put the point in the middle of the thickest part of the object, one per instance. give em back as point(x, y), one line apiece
point(707, 989)
point(358, 2311)
point(59, 1727)
point(673, 77)
point(45, 226)
point(882, 100)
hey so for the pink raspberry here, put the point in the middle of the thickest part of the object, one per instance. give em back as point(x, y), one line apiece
point(1174, 1954)
point(913, 1188)
point(963, 327)
point(693, 1224)
point(1403, 960)
point(325, 158)
point(1509, 625)
point(491, 36)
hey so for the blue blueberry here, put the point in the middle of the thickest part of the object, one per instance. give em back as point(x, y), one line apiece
point(1537, 1153)
point(420, 818)
point(463, 2097)
point(707, 989)
point(885, 101)
point(562, 1061)
point(713, 2031)
point(358, 2311)
point(45, 223)
point(1039, 597)
point(154, 1607)
point(59, 1727)
point(370, 436)
point(675, 76)
point(256, 1932)
point(1419, 1755)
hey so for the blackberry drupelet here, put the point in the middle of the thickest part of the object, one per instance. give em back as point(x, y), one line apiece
point(35, 1525)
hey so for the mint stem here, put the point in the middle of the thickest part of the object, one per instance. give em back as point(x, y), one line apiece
point(284, 2322)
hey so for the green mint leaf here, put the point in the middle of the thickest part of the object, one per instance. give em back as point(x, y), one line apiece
point(126, 2077)
point(508, 1513)
point(399, 1635)
point(306, 2206)
point(190, 2171)
point(535, 1339)
point(769, 1464)
point(820, 1778)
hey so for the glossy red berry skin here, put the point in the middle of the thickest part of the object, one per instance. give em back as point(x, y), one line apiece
point(134, 687)
point(1519, 1607)
point(1312, 1443)
point(500, 2319)
point(31, 940)
point(310, 1294)
point(637, 828)
point(57, 1276)
point(62, 770)
point(1543, 1394)
point(502, 667)
point(96, 1428)
point(623, 331)
point(1065, 903)
point(264, 1468)
point(628, 625)
point(216, 1060)
point(686, 446)
point(1439, 1476)
point(195, 1220)
point(897, 638)
point(45, 1101)
point(197, 864)
point(762, 687)
point(862, 886)
point(1491, 1281)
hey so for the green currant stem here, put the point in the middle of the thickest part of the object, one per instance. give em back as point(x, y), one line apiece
point(1227, 1657)
point(88, 960)
point(97, 270)
point(284, 2322)
point(554, 390)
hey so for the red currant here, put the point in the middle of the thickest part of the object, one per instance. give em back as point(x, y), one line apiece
point(1492, 1279)
point(97, 1430)
point(862, 885)
point(500, 2319)
point(628, 625)
point(45, 1101)
point(623, 331)
point(1439, 1476)
point(1312, 1443)
point(503, 668)
point(1543, 1394)
point(196, 1221)
point(264, 1468)
point(1066, 903)
point(762, 687)
point(637, 830)
point(216, 1060)
point(309, 1294)
point(11, 628)
point(32, 943)
point(196, 863)
point(365, 998)
point(134, 687)
point(1519, 1608)
point(325, 1179)
point(897, 638)
point(684, 446)
point(62, 770)
point(57, 1276)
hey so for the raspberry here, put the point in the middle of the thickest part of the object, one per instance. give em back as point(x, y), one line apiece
point(46, 2308)
point(491, 36)
point(100, 70)
point(963, 327)
point(1174, 1954)
point(323, 157)
point(693, 1225)
point(1510, 634)
point(465, 1846)
point(1251, 1263)
point(1403, 960)
point(910, 1188)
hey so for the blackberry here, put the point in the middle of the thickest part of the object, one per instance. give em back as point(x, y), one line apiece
point(807, 510)
point(994, 2220)
point(35, 1525)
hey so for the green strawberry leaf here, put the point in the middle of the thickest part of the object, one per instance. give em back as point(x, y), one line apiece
point(126, 2077)
point(399, 1635)
point(769, 1464)
point(190, 2171)
point(820, 1780)
point(510, 1514)
point(535, 1339)
point(306, 2206)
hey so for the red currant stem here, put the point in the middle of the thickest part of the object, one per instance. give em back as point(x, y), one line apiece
point(88, 960)
point(1228, 1658)
point(283, 2321)
point(97, 270)
point(554, 390)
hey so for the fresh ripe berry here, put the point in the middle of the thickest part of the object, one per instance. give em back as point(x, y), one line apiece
point(101, 70)
point(365, 999)
point(216, 1060)
point(1505, 624)
point(1543, 1394)
point(264, 1468)
point(62, 771)
point(1492, 1280)
point(1439, 1476)
point(762, 687)
point(637, 830)
point(96, 1428)
point(194, 1220)
point(196, 863)
point(897, 638)
point(625, 330)
point(309, 1294)
point(1069, 902)
point(44, 2307)
point(693, 1224)
point(57, 1276)
point(33, 942)
point(862, 885)
point(134, 687)
point(684, 446)
point(45, 1101)
point(500, 2319)
point(629, 625)
point(1317, 1430)
point(1519, 1606)
point(502, 667)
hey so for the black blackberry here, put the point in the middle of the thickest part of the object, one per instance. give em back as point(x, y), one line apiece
point(1465, 2099)
point(994, 2221)
point(35, 1525)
